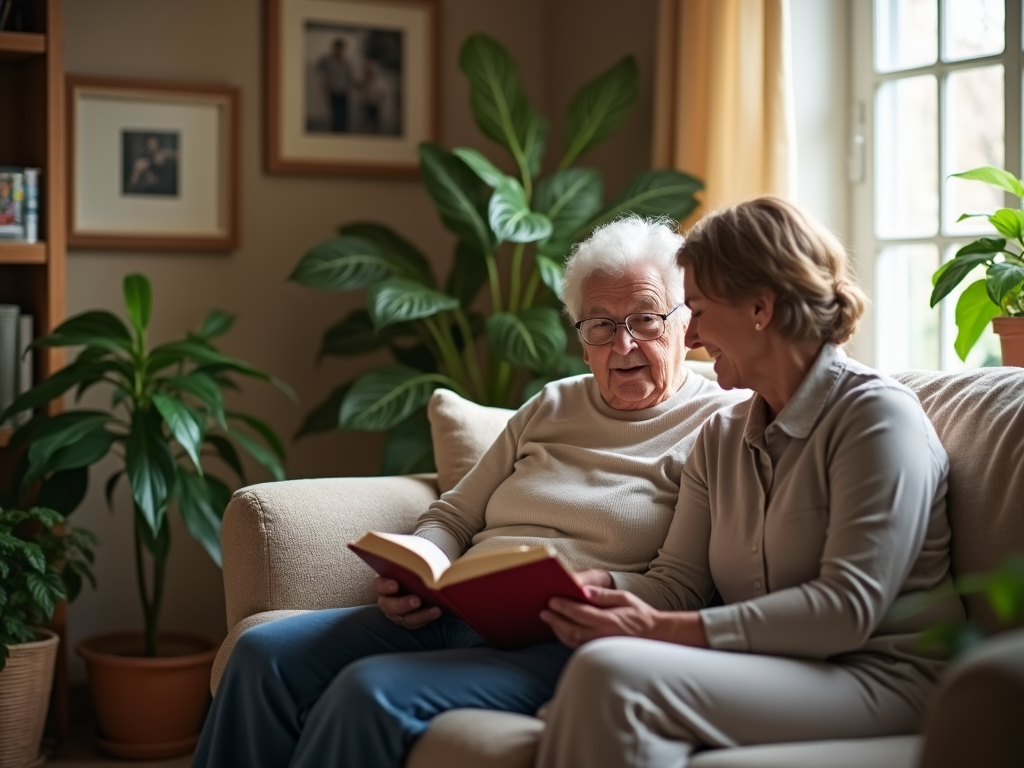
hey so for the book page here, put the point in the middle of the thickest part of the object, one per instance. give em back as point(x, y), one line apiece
point(471, 566)
point(422, 557)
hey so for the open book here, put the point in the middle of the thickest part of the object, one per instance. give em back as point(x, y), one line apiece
point(500, 594)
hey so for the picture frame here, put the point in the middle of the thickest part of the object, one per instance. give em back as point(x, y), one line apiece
point(152, 165)
point(351, 86)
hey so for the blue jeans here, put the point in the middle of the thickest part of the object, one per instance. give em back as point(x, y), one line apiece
point(347, 687)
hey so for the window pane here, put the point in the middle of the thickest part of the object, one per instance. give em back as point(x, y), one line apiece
point(907, 158)
point(974, 137)
point(906, 34)
point(907, 328)
point(986, 351)
point(973, 28)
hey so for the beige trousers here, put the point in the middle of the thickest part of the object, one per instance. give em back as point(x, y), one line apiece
point(639, 703)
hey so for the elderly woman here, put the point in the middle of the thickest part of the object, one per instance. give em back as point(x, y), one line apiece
point(590, 466)
point(814, 508)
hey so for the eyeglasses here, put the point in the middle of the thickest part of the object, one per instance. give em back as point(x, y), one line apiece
point(642, 326)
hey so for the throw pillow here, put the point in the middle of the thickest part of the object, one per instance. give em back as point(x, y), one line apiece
point(461, 431)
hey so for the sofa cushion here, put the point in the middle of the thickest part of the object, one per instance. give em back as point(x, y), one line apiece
point(979, 417)
point(461, 431)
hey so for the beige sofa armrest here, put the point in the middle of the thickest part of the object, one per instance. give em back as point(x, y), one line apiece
point(283, 543)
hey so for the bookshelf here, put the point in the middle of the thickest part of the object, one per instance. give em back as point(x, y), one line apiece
point(32, 133)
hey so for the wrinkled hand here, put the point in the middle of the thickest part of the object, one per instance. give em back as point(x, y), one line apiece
point(404, 610)
point(613, 613)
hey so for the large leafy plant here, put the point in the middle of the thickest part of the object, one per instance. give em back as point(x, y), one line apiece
point(40, 565)
point(514, 232)
point(1001, 291)
point(166, 414)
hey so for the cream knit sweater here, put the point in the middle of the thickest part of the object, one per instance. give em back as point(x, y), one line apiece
point(598, 484)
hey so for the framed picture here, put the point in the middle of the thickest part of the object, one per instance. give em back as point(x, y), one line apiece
point(152, 165)
point(352, 85)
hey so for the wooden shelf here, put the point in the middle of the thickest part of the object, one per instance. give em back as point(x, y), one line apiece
point(16, 46)
point(5, 436)
point(22, 253)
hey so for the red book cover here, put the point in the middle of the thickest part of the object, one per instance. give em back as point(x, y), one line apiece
point(503, 606)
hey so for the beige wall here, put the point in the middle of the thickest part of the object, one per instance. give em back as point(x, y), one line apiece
point(559, 44)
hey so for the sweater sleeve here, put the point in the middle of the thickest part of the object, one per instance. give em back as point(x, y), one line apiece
point(453, 520)
point(885, 475)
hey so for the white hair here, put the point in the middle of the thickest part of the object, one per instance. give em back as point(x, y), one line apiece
point(616, 247)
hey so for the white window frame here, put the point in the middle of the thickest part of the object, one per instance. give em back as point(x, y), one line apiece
point(865, 82)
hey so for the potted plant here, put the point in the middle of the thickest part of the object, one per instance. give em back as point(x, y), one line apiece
point(519, 225)
point(166, 414)
point(998, 297)
point(40, 565)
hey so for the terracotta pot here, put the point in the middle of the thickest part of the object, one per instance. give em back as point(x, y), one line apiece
point(1011, 338)
point(25, 686)
point(149, 708)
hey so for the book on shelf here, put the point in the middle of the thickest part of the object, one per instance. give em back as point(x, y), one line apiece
point(19, 204)
point(500, 594)
point(16, 331)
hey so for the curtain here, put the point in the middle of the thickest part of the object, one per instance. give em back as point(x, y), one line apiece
point(724, 97)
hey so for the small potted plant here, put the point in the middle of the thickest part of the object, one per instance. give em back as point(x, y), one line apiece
point(41, 563)
point(998, 297)
point(166, 414)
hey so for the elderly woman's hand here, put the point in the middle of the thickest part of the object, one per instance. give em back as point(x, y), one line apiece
point(615, 613)
point(403, 610)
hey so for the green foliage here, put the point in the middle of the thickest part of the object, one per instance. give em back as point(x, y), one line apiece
point(40, 565)
point(166, 414)
point(1003, 588)
point(514, 233)
point(1001, 293)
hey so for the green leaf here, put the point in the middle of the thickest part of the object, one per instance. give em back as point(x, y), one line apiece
point(201, 509)
point(84, 452)
point(599, 109)
point(326, 416)
point(217, 323)
point(951, 274)
point(138, 297)
point(498, 101)
point(974, 310)
point(468, 275)
point(570, 198)
point(533, 338)
point(345, 263)
point(551, 273)
point(406, 259)
point(398, 300)
point(42, 594)
point(1009, 222)
point(1002, 281)
point(63, 491)
point(186, 424)
point(458, 195)
point(157, 543)
point(569, 365)
point(60, 431)
point(228, 454)
point(111, 485)
point(481, 166)
point(97, 328)
point(383, 398)
point(201, 386)
point(653, 193)
point(409, 449)
point(263, 429)
point(997, 177)
point(151, 469)
point(260, 453)
point(355, 335)
point(421, 357)
point(511, 218)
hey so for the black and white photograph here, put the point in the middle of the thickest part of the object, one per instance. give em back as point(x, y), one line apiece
point(149, 163)
point(353, 79)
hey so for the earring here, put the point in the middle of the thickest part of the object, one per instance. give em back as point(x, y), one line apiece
point(757, 326)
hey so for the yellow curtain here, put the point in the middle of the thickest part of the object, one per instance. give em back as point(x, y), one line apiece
point(724, 97)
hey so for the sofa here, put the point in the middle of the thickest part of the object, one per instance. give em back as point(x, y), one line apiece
point(284, 552)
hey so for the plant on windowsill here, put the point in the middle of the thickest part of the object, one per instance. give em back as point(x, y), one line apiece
point(166, 414)
point(520, 226)
point(41, 563)
point(998, 297)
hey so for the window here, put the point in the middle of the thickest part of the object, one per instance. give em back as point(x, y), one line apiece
point(937, 90)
